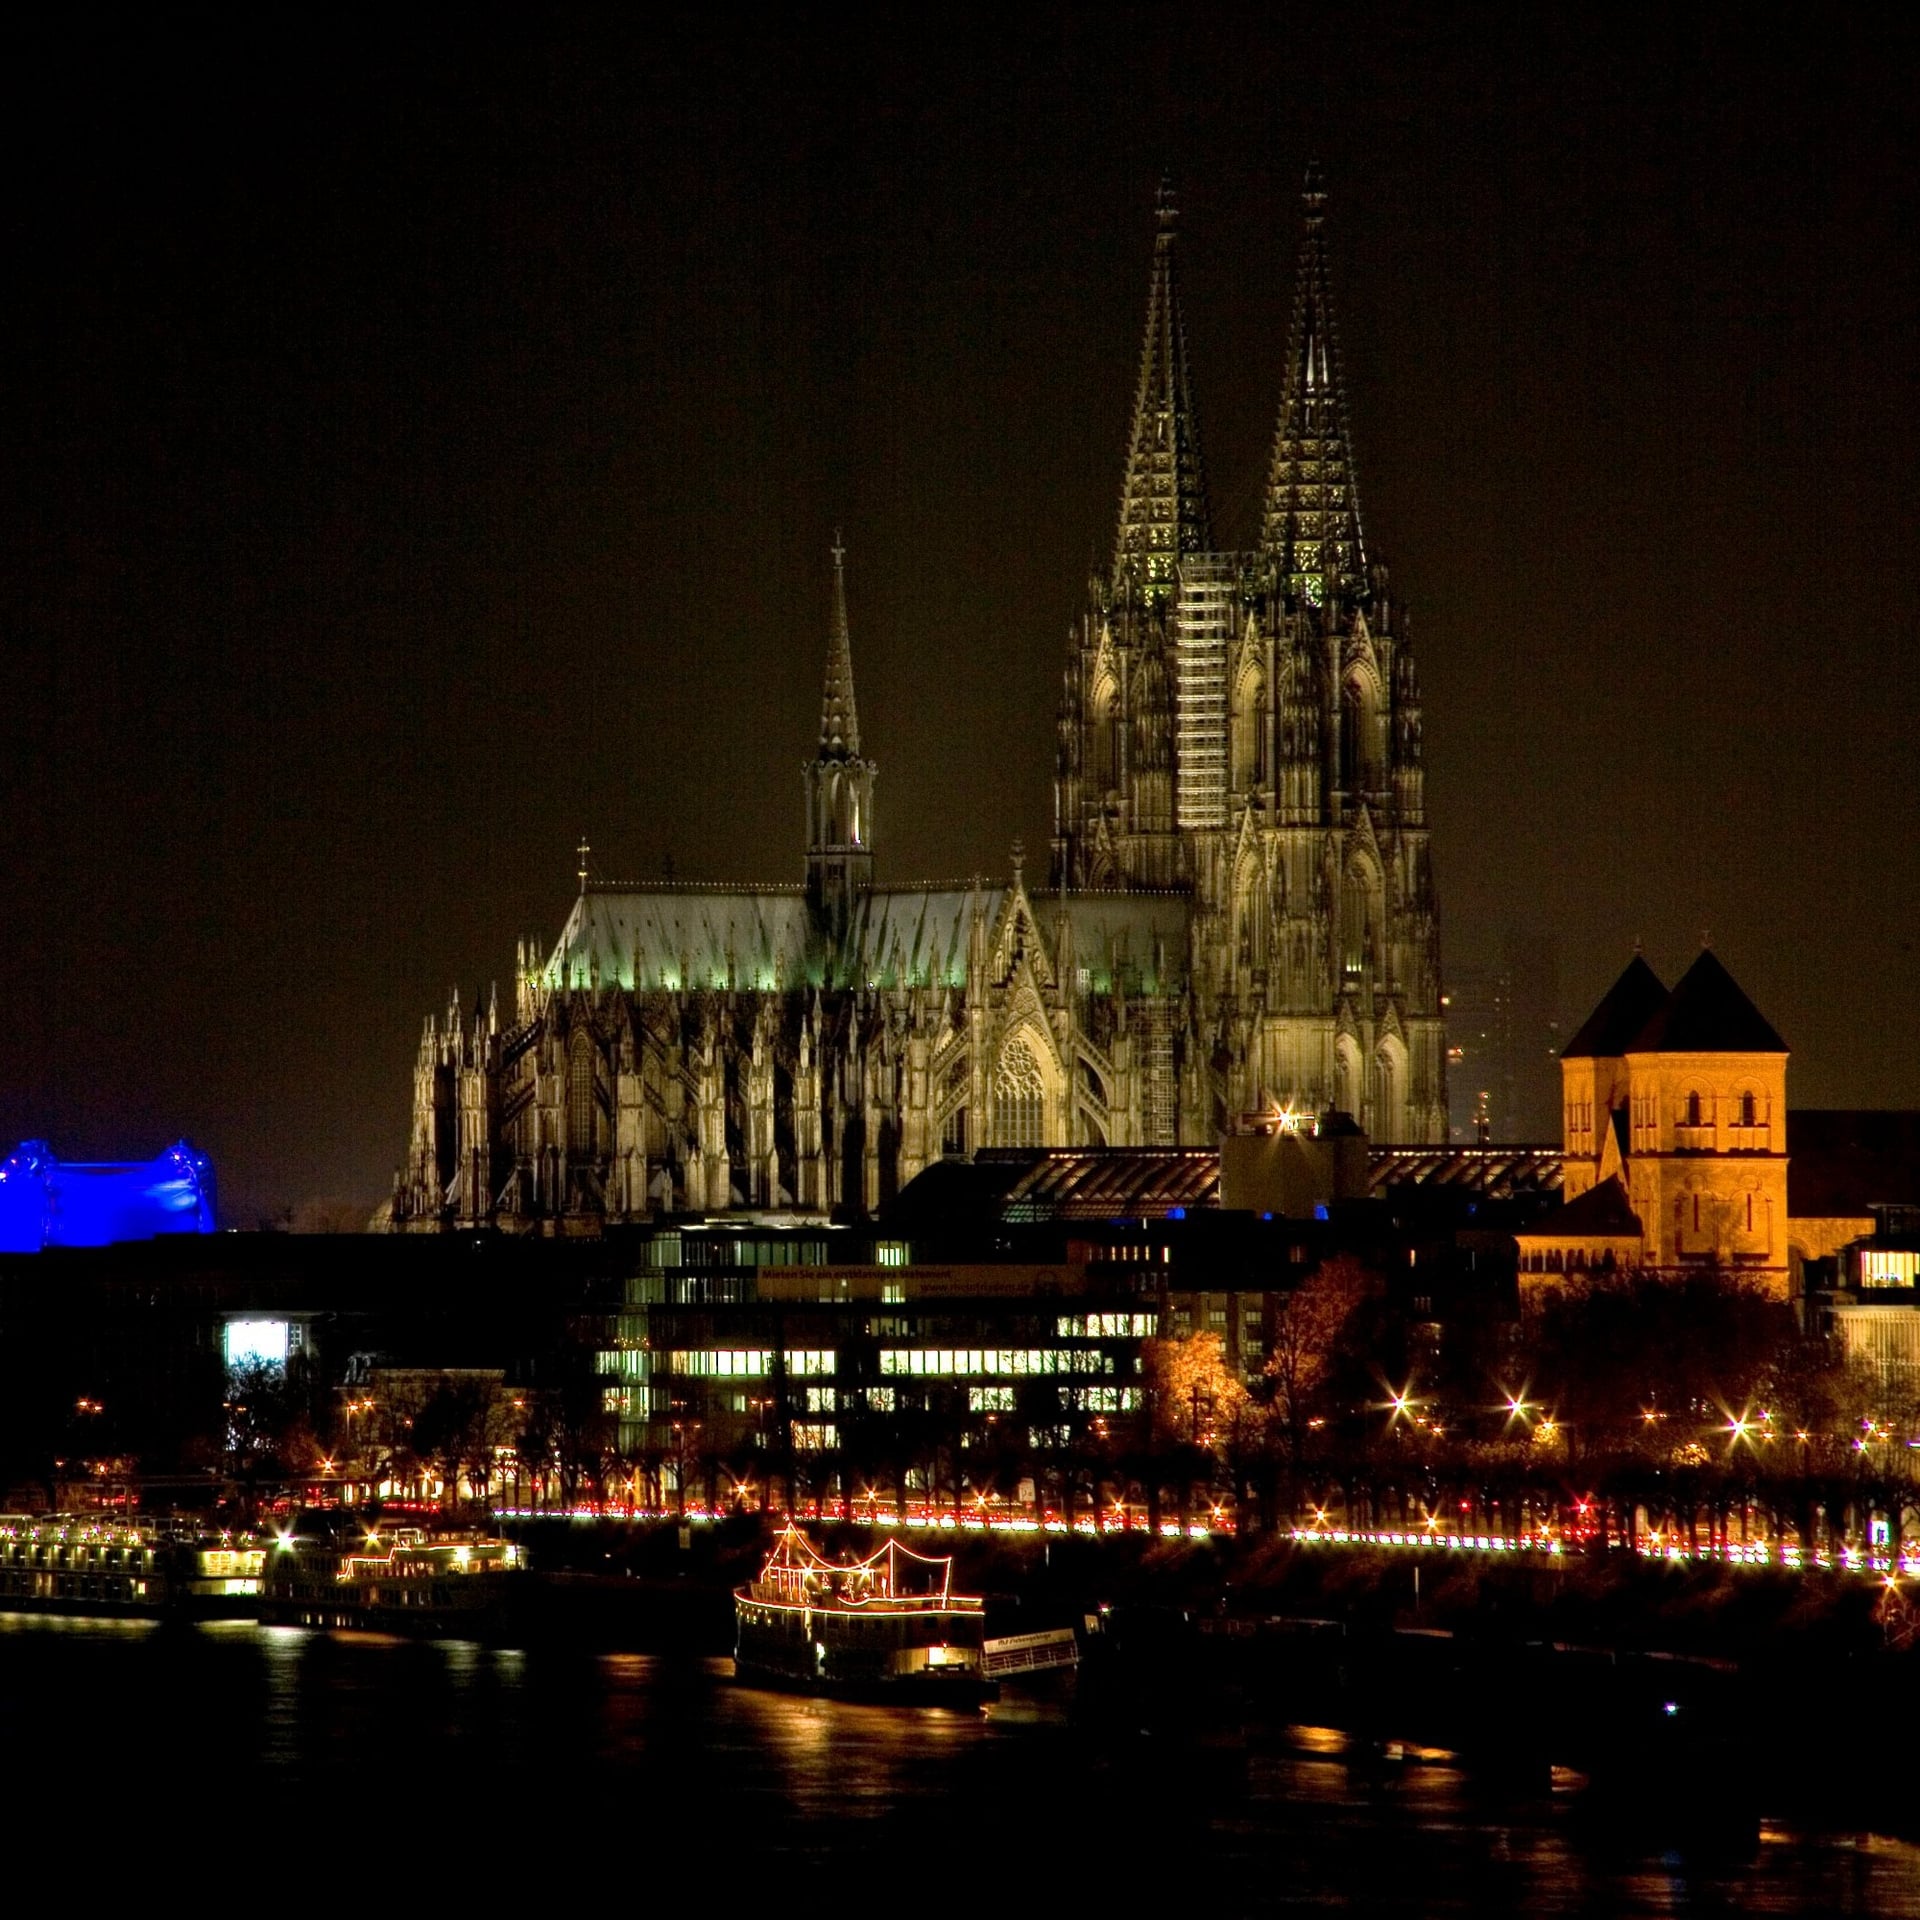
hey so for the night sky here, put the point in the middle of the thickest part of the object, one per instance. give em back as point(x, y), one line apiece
point(419, 450)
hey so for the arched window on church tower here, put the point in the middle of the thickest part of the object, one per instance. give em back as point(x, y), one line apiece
point(580, 1096)
point(1248, 743)
point(1356, 912)
point(1103, 737)
point(1019, 1097)
point(1359, 733)
point(1349, 1089)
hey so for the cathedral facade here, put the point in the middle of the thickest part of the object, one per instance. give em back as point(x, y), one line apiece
point(1239, 913)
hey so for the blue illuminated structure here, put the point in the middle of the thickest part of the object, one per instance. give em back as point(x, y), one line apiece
point(47, 1202)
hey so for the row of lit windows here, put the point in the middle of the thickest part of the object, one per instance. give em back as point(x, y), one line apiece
point(991, 1360)
point(1106, 1326)
point(815, 1436)
point(1101, 1399)
point(747, 1363)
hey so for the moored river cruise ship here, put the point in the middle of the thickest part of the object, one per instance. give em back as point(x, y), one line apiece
point(391, 1579)
point(89, 1563)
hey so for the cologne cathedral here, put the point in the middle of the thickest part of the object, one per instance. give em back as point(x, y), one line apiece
point(1238, 918)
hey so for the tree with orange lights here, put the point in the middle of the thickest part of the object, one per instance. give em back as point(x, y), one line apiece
point(1198, 1409)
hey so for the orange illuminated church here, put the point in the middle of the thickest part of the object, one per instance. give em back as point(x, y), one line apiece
point(1674, 1118)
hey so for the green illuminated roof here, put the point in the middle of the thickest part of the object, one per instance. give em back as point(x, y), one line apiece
point(749, 939)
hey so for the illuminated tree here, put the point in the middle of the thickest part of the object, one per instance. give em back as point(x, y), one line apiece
point(1196, 1398)
point(1198, 1410)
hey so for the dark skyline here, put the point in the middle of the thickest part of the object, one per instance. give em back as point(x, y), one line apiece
point(421, 452)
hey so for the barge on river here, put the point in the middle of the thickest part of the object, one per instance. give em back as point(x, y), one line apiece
point(887, 1627)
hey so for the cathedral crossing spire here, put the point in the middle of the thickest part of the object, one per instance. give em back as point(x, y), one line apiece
point(1163, 499)
point(1310, 531)
point(839, 782)
point(839, 719)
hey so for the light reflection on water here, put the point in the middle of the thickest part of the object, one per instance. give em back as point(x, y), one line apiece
point(602, 1761)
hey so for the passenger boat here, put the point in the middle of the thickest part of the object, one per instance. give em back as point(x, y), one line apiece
point(886, 1627)
point(392, 1580)
point(87, 1563)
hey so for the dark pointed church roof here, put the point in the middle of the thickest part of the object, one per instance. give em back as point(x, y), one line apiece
point(1163, 499)
point(839, 718)
point(1311, 529)
point(1707, 1013)
point(1603, 1212)
point(1628, 1005)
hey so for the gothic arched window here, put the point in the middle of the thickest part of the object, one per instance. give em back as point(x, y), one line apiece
point(1359, 734)
point(1105, 737)
point(1019, 1097)
point(580, 1095)
point(1247, 745)
point(1356, 913)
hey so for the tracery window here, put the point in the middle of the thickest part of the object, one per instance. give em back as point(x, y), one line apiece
point(580, 1095)
point(1019, 1097)
point(1105, 738)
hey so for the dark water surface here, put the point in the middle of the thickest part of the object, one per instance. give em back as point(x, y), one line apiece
point(648, 1779)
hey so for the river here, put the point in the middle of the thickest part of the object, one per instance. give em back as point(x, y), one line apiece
point(314, 1759)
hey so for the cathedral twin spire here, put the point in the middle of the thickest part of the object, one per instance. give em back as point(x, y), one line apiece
point(1163, 499)
point(1310, 526)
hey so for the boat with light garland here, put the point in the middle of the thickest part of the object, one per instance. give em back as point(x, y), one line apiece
point(89, 1563)
point(889, 1627)
point(392, 1580)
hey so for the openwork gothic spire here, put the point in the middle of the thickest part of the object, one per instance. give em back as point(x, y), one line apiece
point(1163, 500)
point(839, 719)
point(1311, 528)
point(839, 783)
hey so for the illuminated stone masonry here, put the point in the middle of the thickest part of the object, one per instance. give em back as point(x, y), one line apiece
point(1239, 916)
point(1245, 728)
point(1677, 1137)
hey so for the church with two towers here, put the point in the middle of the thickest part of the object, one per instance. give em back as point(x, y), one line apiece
point(1238, 916)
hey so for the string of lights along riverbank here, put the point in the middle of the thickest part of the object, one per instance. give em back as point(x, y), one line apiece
point(1239, 910)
